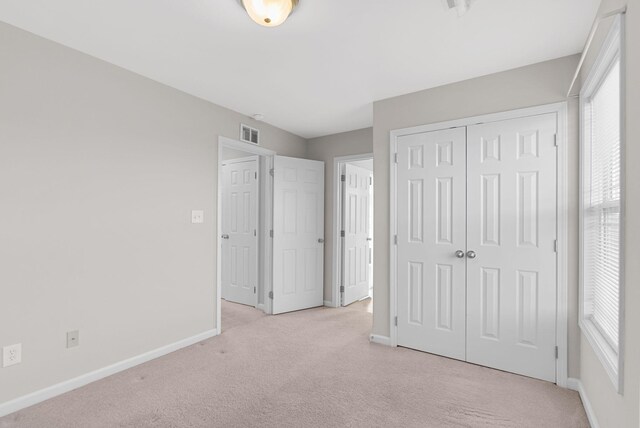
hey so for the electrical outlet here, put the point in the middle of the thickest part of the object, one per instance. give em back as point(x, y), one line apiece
point(11, 355)
point(73, 338)
point(197, 216)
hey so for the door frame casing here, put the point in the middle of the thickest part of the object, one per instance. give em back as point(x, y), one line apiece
point(562, 215)
point(265, 224)
point(338, 163)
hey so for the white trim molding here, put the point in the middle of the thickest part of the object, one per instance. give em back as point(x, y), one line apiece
point(87, 378)
point(560, 109)
point(576, 385)
point(587, 46)
point(380, 340)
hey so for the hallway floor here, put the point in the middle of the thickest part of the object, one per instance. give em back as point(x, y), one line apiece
point(314, 368)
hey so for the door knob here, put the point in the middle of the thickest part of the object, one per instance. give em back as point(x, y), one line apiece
point(321, 241)
point(369, 239)
point(471, 254)
point(460, 254)
point(225, 236)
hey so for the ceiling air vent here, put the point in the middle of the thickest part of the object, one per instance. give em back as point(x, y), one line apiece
point(249, 134)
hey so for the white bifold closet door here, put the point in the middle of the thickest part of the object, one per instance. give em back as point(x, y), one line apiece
point(431, 227)
point(356, 224)
point(298, 234)
point(511, 226)
point(476, 255)
point(239, 227)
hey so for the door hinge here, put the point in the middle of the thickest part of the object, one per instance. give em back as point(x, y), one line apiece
point(271, 295)
point(395, 157)
point(396, 321)
point(555, 140)
point(271, 233)
point(370, 181)
point(272, 172)
point(255, 232)
point(254, 290)
point(342, 233)
point(342, 288)
point(557, 353)
point(555, 245)
point(395, 239)
point(343, 177)
point(256, 175)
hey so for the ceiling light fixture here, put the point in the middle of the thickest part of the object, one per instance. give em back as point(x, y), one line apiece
point(461, 6)
point(269, 13)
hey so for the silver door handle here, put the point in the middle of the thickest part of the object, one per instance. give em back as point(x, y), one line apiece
point(460, 254)
point(471, 254)
point(321, 241)
point(225, 236)
point(369, 239)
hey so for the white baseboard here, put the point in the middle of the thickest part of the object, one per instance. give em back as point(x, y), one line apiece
point(573, 384)
point(576, 385)
point(82, 380)
point(382, 340)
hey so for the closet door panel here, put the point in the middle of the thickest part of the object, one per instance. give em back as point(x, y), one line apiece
point(511, 228)
point(431, 228)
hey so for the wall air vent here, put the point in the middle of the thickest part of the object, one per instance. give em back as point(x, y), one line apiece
point(249, 134)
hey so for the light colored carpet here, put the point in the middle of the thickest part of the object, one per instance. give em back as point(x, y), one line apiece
point(313, 368)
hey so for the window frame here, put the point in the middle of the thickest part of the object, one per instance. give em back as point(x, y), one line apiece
point(611, 52)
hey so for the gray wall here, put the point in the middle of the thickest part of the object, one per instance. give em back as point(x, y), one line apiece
point(612, 409)
point(326, 149)
point(99, 171)
point(533, 85)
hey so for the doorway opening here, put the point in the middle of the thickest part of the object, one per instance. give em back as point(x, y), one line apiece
point(270, 230)
point(353, 233)
point(245, 200)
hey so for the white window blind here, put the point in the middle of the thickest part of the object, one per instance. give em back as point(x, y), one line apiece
point(602, 208)
point(602, 205)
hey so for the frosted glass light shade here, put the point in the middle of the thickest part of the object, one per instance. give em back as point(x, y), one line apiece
point(269, 13)
point(462, 6)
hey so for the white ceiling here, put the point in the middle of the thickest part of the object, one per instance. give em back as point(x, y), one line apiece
point(318, 73)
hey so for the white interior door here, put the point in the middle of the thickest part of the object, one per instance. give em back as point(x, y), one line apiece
point(298, 234)
point(356, 226)
point(239, 226)
point(371, 214)
point(511, 226)
point(431, 228)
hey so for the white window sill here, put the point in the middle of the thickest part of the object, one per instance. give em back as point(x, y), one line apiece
point(607, 355)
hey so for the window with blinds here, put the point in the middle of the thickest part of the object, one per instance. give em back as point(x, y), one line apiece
point(602, 205)
point(602, 208)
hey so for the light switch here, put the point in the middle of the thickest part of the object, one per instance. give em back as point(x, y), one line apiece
point(197, 216)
